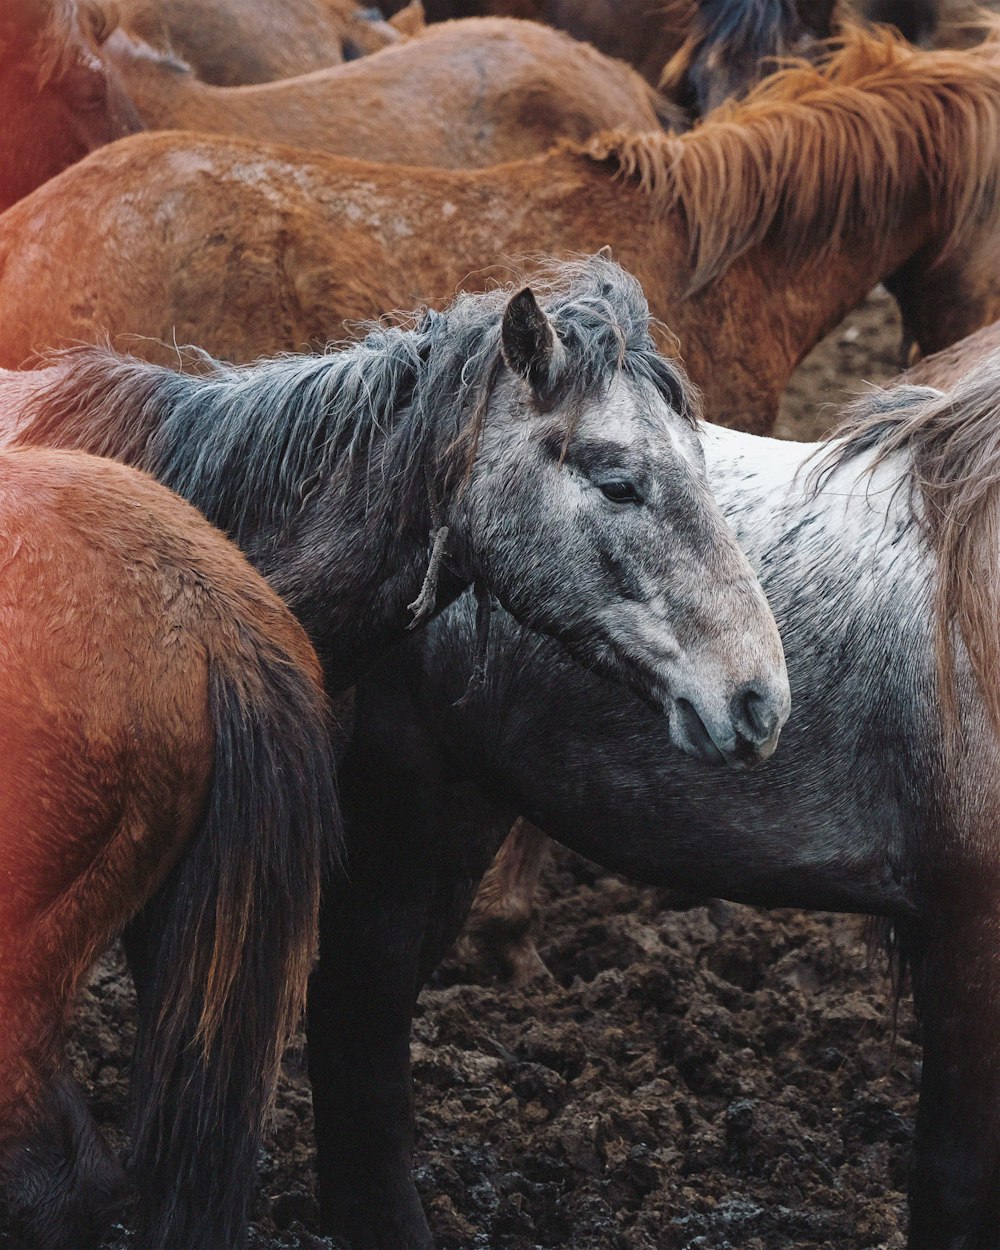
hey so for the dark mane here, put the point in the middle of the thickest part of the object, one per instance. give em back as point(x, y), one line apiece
point(952, 470)
point(247, 444)
point(739, 41)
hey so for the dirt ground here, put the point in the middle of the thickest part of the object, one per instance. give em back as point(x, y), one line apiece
point(720, 1079)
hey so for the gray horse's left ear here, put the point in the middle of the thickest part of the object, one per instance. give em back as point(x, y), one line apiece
point(529, 343)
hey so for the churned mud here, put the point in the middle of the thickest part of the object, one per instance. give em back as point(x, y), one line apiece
point(719, 1079)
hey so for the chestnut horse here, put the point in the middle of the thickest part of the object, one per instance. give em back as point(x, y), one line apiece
point(231, 42)
point(730, 38)
point(752, 235)
point(464, 94)
point(883, 568)
point(58, 99)
point(645, 33)
point(585, 510)
point(161, 714)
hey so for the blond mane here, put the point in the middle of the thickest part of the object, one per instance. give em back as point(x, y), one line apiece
point(817, 153)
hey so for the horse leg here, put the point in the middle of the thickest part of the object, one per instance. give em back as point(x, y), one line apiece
point(61, 1183)
point(360, 1001)
point(500, 920)
point(360, 1004)
point(955, 1183)
point(410, 880)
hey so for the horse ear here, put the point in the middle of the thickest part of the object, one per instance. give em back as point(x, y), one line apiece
point(529, 343)
point(410, 20)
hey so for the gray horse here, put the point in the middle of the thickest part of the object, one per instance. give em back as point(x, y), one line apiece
point(880, 559)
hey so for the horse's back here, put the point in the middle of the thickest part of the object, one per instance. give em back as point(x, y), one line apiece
point(536, 79)
point(247, 249)
point(502, 90)
point(230, 42)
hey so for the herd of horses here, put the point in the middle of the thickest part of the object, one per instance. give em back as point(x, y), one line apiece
point(295, 627)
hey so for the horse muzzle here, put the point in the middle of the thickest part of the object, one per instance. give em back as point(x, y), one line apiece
point(739, 733)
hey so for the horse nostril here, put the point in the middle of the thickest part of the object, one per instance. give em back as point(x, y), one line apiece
point(754, 712)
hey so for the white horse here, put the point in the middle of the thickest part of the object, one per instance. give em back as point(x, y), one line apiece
point(880, 555)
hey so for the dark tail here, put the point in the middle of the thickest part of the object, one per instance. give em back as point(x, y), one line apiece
point(230, 942)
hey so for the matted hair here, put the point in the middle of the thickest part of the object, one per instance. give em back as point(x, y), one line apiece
point(248, 443)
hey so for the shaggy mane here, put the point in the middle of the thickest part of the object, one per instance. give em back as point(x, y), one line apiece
point(816, 153)
point(249, 444)
point(953, 444)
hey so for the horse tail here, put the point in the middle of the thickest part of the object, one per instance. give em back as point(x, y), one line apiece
point(231, 944)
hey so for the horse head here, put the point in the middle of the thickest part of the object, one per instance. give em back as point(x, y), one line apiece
point(59, 97)
point(733, 44)
point(591, 445)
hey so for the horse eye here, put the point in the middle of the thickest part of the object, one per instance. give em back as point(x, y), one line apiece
point(620, 490)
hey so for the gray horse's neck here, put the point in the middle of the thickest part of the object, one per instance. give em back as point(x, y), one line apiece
point(382, 568)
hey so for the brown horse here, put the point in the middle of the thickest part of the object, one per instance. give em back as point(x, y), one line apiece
point(725, 41)
point(229, 42)
point(464, 94)
point(160, 715)
point(58, 99)
point(645, 33)
point(752, 235)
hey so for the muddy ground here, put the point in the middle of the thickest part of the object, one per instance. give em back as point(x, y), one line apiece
point(719, 1078)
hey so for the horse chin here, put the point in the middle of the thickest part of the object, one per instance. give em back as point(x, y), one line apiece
point(621, 663)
